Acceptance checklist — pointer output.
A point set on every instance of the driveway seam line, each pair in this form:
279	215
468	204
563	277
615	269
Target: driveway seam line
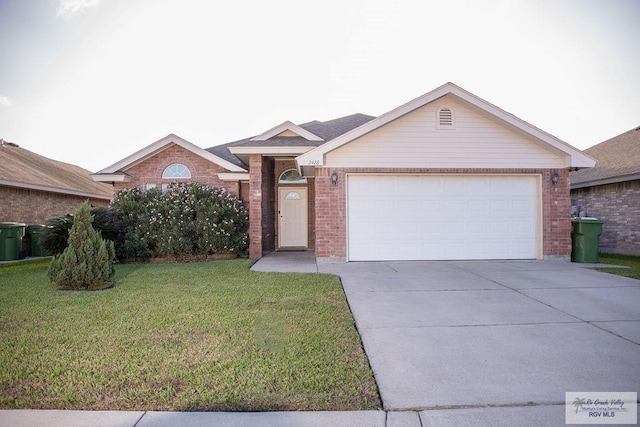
140	419
527	296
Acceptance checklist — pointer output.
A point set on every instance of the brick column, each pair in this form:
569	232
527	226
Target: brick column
556	221
255	206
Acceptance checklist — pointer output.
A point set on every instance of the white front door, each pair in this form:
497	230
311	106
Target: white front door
292	217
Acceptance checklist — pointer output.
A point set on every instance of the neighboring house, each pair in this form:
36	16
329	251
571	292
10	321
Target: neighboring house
34	188
445	176
611	191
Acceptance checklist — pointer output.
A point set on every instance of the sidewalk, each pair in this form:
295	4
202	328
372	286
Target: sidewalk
50	418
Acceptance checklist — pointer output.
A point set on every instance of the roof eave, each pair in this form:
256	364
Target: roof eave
605	181
56	190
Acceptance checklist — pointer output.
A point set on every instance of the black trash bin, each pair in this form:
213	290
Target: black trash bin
11	234
34	232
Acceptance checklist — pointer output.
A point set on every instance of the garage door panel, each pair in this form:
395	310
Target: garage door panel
407	217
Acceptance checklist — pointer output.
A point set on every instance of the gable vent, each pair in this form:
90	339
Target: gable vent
445	118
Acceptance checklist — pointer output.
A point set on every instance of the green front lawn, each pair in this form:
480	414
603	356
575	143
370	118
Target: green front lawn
209	336
633	262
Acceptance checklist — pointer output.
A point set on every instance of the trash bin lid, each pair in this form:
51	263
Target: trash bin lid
11	224
590	220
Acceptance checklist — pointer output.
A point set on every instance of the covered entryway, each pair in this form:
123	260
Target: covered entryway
292	218
443	217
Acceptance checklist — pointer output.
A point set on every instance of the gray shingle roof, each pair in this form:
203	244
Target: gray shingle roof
617	160
328	130
23	167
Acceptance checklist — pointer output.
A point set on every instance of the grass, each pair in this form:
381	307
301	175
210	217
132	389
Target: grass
633	262
209	336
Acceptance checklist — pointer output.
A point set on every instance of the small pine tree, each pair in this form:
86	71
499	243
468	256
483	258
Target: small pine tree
87	262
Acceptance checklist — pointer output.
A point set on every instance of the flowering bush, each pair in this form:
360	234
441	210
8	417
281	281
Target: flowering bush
189	219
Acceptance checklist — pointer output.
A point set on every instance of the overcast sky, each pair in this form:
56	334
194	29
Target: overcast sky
91	81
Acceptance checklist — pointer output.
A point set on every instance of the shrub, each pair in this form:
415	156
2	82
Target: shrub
87	262
189	219
54	239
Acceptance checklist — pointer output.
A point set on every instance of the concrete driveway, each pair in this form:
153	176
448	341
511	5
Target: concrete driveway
493	341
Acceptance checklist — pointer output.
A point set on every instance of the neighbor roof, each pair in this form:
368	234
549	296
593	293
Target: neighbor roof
25	169
617	160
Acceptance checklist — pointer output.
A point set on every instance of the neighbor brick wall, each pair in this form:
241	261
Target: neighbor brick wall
150	170
36	207
619	206
331	233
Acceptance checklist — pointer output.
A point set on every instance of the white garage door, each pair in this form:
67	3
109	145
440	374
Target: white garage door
443	217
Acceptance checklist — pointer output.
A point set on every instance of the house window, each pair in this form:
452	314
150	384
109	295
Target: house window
150	185
445	118
176	170
165	186
291	176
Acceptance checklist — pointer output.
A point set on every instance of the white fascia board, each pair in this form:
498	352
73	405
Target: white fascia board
149	150
291	151
111	177
53	190
288	125
228	176
316	157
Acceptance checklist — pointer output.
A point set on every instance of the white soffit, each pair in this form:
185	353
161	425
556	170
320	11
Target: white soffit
111	177
228	176
287	126
316	157
161	144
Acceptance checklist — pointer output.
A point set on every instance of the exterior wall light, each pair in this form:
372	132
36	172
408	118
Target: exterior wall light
554	179
334	178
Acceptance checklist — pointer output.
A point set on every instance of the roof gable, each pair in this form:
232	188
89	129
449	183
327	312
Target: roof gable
575	158
161	144
474	140
238	151
287	129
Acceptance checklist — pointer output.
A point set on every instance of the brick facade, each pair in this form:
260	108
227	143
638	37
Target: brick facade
36	207
619	206
331	218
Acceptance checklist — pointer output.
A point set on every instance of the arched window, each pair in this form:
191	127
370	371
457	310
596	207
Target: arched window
176	170
291	176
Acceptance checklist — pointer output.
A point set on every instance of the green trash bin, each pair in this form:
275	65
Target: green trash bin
11	234
34	232
585	239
